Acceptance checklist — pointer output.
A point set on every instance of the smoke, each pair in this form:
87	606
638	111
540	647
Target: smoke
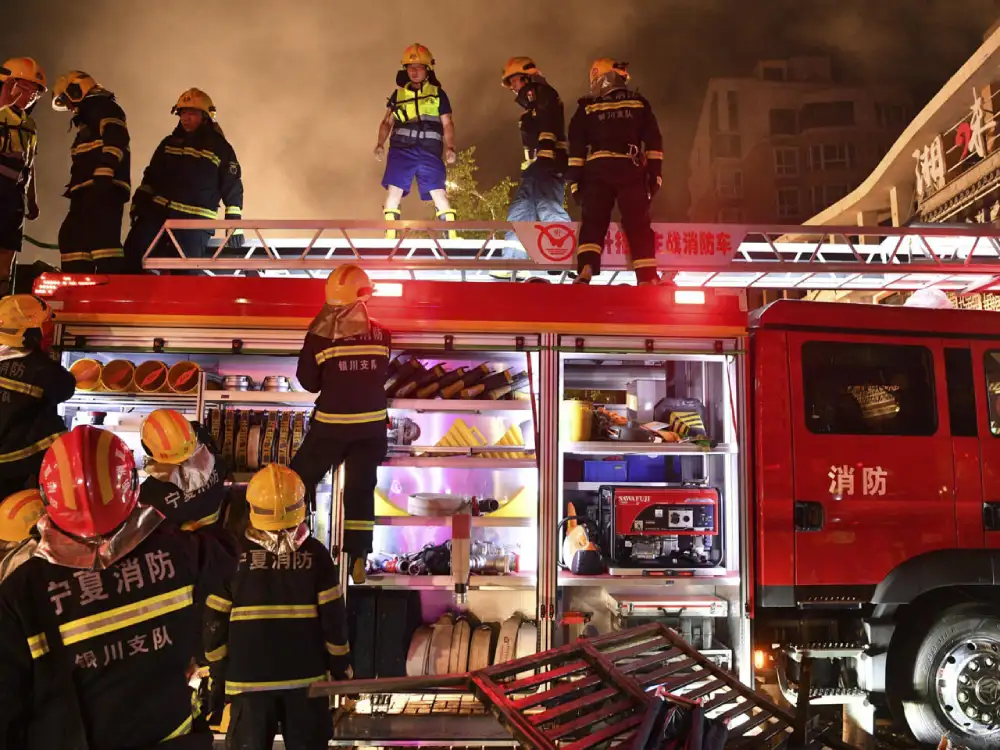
301	85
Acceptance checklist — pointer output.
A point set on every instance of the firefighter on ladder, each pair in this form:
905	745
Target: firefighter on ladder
192	171
32	386
418	124
615	155
101	617
541	193
280	624
22	82
90	237
18	536
344	358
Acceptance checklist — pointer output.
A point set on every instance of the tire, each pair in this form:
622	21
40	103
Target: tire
956	665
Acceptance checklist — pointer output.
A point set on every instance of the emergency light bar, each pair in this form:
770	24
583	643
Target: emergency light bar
47	284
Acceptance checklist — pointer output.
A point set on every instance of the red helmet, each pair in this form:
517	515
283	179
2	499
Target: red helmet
88	480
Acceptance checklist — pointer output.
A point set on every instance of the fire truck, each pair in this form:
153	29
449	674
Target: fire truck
804	482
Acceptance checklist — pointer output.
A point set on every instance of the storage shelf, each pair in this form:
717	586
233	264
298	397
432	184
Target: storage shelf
480	521
260	397
304	398
615	448
594	486
461	462
622	582
100	400
509	582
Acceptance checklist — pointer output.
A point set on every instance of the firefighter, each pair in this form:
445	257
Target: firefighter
186	473
90	237
280	624
615	155
22	82
419	127
344	358
32	386
192	171
541	193
18	537
101	617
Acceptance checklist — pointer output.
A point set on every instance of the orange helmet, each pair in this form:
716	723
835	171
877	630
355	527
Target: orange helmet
19	513
348	284
20	314
602	66
418	54
515	66
168	437
71	89
24	69
276	496
88	481
194	99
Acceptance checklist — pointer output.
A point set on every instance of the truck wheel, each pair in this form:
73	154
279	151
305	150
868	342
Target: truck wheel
956	679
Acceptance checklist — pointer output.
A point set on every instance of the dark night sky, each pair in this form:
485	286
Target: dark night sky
301	84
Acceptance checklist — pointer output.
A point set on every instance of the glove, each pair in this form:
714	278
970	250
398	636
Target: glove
577	192
237	242
653	184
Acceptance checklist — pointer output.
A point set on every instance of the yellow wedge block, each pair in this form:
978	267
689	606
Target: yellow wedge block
523	504
383	506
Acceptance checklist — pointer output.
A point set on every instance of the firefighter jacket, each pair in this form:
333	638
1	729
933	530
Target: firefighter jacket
189	494
32	385
619	125
417	117
190	174
18	147
101	148
104	652
543	132
349	374
16	555
280	623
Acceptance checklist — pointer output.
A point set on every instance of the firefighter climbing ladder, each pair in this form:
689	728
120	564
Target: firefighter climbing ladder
960	259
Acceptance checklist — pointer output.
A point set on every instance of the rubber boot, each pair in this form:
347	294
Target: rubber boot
391	214
448	215
585	275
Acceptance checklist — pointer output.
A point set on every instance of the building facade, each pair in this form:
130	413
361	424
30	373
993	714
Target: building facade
782	145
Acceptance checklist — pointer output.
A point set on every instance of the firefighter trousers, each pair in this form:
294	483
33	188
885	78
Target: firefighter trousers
255	718
90	238
144	230
601	188
326	447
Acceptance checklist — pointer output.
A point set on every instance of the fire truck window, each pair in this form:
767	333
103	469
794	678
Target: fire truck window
992	363
868	389
961	392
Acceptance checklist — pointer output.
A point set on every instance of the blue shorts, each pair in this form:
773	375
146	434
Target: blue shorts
403	164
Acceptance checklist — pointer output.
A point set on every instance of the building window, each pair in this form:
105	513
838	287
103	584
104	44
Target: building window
868	389
827	115
729	183
730	215
788	202
786	161
713	113
784	122
824	196
725	146
733	111
890	115
831	156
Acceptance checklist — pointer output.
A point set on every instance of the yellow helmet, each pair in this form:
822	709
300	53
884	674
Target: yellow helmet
25	69
276	496
70	89
169	437
195	99
602	66
19	513
418	54
18	314
348	284
515	66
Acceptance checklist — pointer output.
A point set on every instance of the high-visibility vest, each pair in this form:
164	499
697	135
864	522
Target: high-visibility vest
417	117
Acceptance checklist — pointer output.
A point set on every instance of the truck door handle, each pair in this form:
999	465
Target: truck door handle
809	516
991	516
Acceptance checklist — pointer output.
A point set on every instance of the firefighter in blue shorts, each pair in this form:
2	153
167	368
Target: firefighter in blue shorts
421	137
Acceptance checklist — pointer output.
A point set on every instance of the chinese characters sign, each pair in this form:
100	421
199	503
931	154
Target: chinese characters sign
872	481
678	246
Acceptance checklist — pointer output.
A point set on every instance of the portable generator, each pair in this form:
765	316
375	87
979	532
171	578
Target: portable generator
662	527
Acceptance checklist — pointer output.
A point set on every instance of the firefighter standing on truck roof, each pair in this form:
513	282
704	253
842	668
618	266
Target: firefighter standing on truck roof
32	385
185	476
344	358
541	193
419	120
22	82
280	624
18	536
615	155
192	171
90	237
97	629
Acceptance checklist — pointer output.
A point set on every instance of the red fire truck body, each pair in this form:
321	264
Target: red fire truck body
873	463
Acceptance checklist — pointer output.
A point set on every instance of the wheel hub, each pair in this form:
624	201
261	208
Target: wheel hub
968	685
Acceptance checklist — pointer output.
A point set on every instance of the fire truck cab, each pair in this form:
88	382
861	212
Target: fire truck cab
877	485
